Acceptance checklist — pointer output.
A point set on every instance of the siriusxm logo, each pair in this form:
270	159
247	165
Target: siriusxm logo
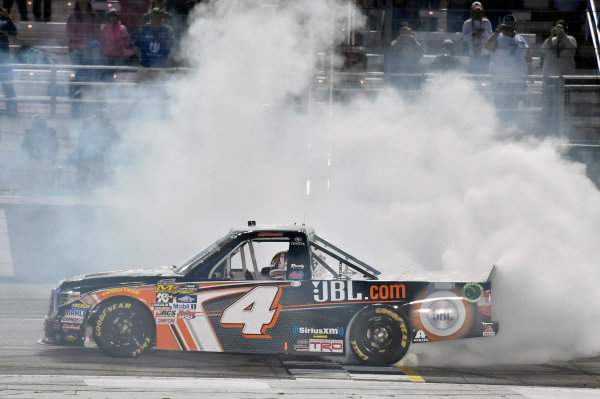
319	331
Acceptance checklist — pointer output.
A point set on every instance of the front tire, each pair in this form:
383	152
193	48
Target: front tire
123	327
379	336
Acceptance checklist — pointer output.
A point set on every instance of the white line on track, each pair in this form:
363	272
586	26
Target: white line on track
175	382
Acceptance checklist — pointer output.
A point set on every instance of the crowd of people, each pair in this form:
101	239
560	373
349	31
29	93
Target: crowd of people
501	52
492	47
91	158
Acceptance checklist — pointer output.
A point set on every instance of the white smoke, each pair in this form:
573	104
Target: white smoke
420	182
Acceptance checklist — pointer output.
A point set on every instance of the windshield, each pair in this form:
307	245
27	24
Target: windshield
202	255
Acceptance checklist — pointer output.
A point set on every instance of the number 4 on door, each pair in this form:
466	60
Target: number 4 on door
255	312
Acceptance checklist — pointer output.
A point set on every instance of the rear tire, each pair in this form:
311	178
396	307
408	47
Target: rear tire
379	336
123	327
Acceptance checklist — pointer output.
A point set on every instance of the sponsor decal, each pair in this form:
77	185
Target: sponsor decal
270	235
298	267
72	319
335	291
184	306
164	297
295	283
301	345
297	241
186	298
187	289
165	313
326	345
472	292
387	292
420	337
442	313
74	295
160	305
80	305
105	312
489	330
120	291
296	275
186	314
75	313
484	304
71	327
166	320
319	331
165	288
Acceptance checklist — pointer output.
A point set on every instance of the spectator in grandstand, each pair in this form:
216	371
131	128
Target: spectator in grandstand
475	32
21	5
41	147
132	12
167	18
559	59
403	57
93	56
115	40
457	13
7	28
42	10
510	65
446	61
97	139
82	28
153	43
40	141
559	51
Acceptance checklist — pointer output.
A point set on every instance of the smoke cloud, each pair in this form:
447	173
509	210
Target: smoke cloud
426	182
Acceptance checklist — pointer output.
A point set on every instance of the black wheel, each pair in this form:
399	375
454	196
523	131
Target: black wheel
379	335
123	327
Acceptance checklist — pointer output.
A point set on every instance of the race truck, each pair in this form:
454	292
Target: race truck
268	290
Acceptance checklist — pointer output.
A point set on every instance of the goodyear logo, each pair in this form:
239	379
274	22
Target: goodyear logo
120	291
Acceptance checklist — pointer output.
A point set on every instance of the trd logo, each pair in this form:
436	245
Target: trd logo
325	345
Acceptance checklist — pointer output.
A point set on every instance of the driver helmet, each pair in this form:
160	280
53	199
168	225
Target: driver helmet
278	265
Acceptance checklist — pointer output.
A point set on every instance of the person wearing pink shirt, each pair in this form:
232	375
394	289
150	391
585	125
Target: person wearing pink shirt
115	40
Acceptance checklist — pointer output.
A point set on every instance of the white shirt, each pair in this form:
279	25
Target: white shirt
559	56
477	41
508	61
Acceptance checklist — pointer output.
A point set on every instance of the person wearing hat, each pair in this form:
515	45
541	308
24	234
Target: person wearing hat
475	32
403	57
446	61
154	42
115	40
510	65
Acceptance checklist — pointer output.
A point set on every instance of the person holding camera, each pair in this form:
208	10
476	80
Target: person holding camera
475	32
510	65
559	51
7	28
559	59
